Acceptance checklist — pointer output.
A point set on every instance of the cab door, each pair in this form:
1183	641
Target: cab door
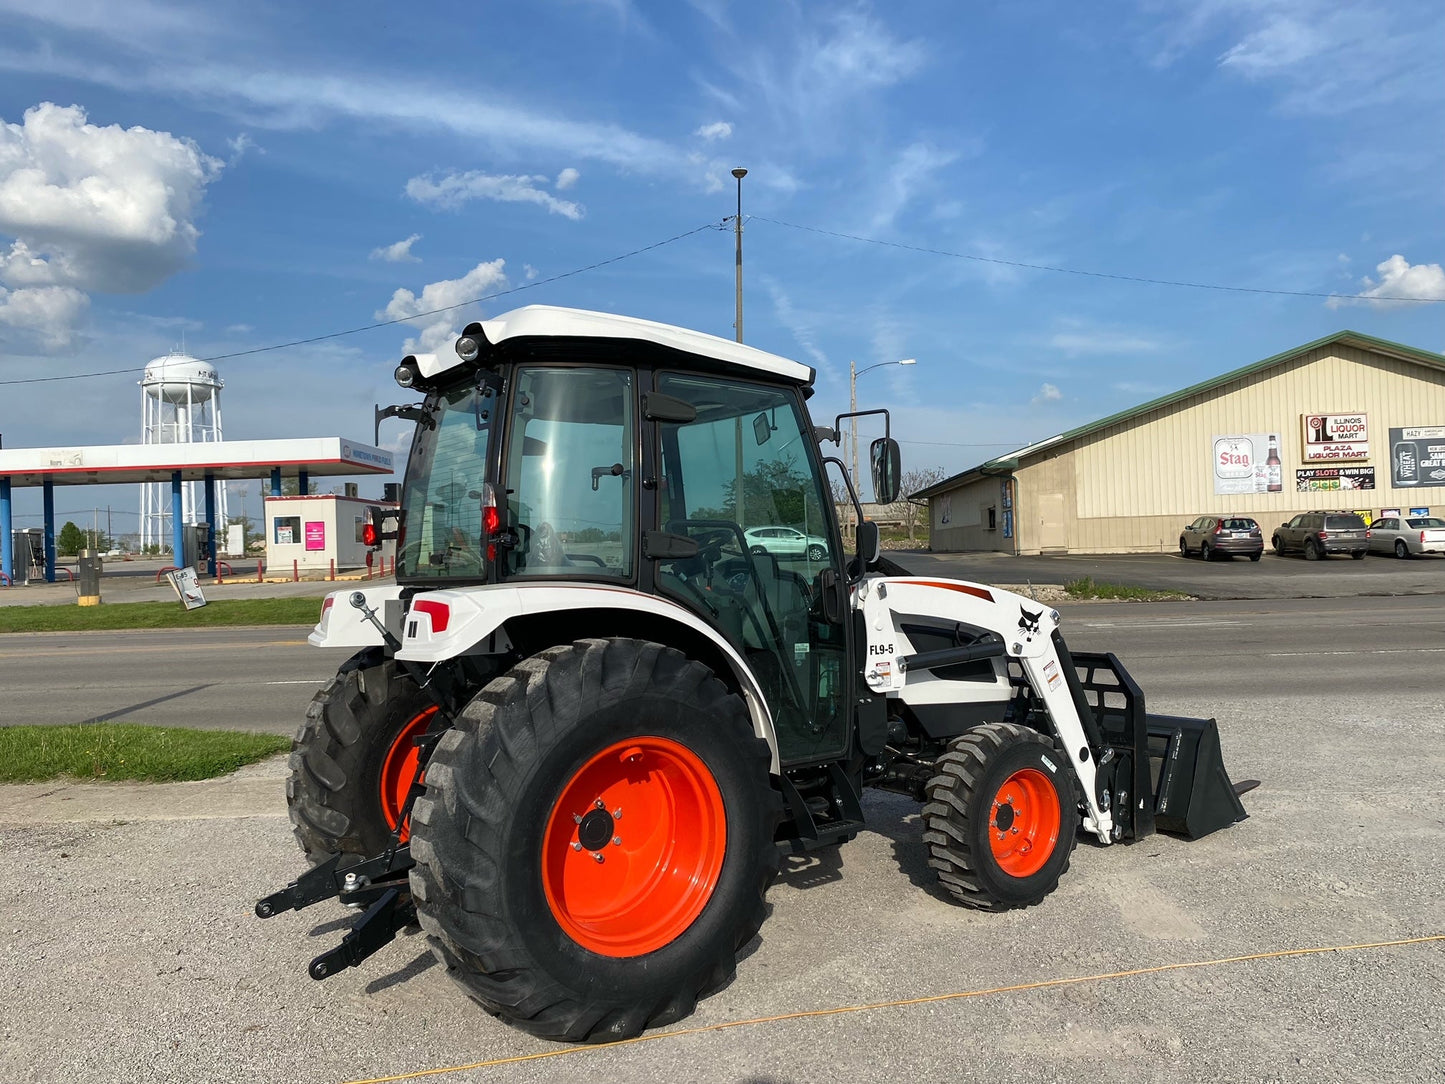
748	461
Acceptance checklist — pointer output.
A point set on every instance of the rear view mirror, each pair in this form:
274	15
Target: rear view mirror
883	457
762	431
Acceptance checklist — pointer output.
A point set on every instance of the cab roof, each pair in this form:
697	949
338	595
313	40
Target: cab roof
552	322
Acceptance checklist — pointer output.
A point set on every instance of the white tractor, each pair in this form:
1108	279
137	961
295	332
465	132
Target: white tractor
595	708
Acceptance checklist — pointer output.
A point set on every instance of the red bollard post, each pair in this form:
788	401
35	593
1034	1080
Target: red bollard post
369	556
331	575
258	573
295	570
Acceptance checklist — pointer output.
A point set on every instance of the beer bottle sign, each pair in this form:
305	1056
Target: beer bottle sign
1273	469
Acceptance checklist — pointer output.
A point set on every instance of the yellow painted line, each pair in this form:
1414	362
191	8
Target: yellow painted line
902	1003
60	654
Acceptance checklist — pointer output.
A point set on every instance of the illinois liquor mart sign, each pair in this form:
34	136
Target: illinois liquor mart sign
1331	438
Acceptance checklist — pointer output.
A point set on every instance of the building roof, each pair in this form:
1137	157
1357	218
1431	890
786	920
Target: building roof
1006	463
552	322
231	459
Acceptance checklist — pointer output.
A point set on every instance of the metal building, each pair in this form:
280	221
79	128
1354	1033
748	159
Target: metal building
1346	422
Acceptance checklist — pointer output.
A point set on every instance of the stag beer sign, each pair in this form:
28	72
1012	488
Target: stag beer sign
1330	438
1246	463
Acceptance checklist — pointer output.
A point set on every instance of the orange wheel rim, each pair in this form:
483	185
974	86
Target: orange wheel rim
399	769
1023	823
634	847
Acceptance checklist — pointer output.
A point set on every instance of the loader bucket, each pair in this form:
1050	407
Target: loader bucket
1175	760
1193	795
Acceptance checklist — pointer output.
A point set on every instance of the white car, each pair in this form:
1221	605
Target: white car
786	542
1407	536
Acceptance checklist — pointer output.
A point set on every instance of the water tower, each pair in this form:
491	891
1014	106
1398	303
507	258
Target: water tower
180	404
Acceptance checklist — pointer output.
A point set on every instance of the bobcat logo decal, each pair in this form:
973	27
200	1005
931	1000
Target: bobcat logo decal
1029	622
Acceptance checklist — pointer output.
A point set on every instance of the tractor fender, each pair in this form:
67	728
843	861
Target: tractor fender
343	625
450	623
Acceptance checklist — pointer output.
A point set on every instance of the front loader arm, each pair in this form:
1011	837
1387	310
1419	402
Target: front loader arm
1005	625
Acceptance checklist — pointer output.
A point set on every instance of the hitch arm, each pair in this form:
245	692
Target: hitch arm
374	930
326	881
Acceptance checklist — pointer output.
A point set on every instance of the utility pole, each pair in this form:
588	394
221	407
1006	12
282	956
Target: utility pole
739	482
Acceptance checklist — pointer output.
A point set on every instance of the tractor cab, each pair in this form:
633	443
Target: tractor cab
627	465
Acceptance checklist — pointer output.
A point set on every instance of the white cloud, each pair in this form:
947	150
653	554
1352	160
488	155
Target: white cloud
241	145
1048	393
92	208
397	252
438	328
912	173
567	178
43	317
455	189
1079	339
717	130
1398	279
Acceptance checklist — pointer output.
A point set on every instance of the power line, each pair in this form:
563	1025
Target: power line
1094	274
388	323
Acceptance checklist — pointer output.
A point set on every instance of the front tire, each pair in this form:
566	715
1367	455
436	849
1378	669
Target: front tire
595	841
1183	548
1000	821
354	757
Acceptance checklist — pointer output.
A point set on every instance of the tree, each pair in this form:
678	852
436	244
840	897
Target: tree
70	540
912	482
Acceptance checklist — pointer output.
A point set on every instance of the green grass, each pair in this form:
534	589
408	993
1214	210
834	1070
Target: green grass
160	615
125	751
1087	588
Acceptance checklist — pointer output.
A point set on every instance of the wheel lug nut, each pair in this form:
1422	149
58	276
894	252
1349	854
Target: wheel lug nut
576	846
617	841
600	804
599	858
617	814
576	818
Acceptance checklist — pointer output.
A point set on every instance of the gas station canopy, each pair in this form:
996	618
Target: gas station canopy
105	464
202	461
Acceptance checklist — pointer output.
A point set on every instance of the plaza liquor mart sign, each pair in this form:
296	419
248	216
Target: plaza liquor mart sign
1332	438
1247	463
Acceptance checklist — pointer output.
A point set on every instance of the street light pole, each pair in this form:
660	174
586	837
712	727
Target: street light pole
853	374
739	173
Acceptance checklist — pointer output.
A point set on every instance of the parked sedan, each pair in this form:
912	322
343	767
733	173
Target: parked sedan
1319	534
1222	536
1408	537
786	542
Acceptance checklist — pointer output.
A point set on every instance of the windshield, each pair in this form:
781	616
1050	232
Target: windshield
441	533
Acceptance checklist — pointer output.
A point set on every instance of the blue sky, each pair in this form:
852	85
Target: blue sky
236	176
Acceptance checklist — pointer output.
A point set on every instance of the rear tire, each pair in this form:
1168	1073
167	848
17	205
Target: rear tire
1312	550
1357	555
353	758
508	884
817	554
1256	556
1401	550
996	780
1206	553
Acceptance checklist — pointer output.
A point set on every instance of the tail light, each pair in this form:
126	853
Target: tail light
1218	526
326	604
439	612
368	535
491	519
1323	536
1254	533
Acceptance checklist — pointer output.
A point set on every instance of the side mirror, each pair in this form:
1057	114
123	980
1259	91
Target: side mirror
868	547
883	457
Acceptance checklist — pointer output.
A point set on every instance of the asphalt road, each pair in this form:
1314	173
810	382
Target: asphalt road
130	952
242	679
